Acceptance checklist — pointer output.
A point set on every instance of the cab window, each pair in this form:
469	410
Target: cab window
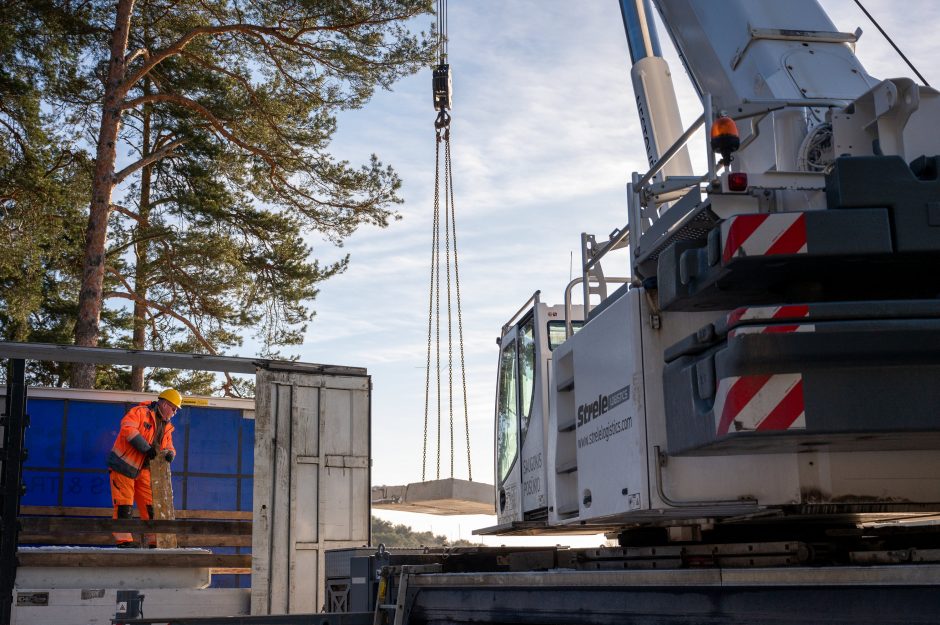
507	431
526	374
556	332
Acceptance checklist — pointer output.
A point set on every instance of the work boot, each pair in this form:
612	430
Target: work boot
124	539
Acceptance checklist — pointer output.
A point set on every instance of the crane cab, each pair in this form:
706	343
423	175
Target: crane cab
522	409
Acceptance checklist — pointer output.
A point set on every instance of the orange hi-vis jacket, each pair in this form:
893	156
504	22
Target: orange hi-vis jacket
138	429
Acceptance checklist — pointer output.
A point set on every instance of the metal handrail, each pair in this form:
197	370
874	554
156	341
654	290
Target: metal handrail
611	244
571	285
508	324
639	184
671	152
660	462
568	305
765	107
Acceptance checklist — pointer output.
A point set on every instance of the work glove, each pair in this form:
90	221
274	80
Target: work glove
151	453
169	455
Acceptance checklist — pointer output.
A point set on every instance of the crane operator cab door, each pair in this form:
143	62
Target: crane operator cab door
522	392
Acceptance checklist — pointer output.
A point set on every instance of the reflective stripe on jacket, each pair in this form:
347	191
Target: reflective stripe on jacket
140	421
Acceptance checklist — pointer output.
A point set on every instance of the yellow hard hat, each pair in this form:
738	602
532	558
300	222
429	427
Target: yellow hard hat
173	396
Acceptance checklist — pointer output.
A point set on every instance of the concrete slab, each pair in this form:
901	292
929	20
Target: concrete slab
442	497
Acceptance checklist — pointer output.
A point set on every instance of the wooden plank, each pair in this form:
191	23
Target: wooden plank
234	515
67	525
140	558
230	571
79	539
161	484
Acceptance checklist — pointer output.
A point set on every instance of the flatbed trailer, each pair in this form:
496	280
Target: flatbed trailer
616	585
879	595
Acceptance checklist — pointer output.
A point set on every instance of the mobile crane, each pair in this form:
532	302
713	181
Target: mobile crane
774	355
754	414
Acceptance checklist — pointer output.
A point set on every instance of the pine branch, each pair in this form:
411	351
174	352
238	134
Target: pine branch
153	157
148	304
136	53
252	94
160	234
128	213
280	33
209	116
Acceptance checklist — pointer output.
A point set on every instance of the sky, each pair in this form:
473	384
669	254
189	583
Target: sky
544	138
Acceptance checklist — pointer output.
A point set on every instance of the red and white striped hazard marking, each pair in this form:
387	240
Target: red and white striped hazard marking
760	403
763	235
775	329
766	313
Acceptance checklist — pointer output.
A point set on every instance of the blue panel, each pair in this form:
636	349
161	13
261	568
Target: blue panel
225	581
213	440
248	446
177	481
90	433
246	485
211	493
228	581
86	489
180	423
42	488
44	434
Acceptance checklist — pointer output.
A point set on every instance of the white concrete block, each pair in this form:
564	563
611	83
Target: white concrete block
443	497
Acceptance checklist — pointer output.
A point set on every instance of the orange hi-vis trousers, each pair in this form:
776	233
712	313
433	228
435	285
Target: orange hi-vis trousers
127	491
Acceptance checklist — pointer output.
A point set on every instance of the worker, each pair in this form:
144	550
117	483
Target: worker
145	432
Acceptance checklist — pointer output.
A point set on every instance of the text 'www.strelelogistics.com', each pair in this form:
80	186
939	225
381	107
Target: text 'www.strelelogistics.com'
605	432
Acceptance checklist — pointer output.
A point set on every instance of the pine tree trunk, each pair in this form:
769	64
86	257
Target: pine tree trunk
141	250
90	295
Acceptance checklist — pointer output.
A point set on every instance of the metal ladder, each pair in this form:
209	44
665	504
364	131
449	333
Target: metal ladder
397	609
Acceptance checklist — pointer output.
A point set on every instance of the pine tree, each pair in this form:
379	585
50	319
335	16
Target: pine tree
400	536
244	96
43	181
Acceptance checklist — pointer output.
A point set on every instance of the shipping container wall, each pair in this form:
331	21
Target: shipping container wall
71	433
312	446
69	440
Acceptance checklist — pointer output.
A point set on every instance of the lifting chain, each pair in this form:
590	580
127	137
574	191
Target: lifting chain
442	97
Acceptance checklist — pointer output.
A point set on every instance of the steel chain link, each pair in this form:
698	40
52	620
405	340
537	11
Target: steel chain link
442	126
448	184
463	371
434	248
